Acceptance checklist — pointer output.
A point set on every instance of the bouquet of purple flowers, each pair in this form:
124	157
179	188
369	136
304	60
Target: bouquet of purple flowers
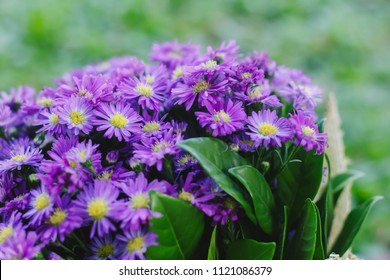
196	155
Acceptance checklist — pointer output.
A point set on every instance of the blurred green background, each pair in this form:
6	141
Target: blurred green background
342	45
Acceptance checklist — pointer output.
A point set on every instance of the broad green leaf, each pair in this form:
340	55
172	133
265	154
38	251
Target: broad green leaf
179	229
303	244
340	180
352	225
249	249
216	159
213	248
319	251
260	192
299	181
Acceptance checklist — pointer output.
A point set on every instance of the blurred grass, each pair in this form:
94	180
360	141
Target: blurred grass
343	45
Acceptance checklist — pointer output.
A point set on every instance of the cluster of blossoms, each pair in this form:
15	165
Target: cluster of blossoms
78	160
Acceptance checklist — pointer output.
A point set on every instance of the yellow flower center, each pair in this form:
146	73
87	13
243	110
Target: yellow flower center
255	92
18	158
307	130
53	119
186	196
184	159
144	90
72	164
118	120
97	209
221	116
266	129
149	79
4	233
41	201
57	217
178	72
210	64
84	93
106	175
201	86
81	154
76	117
105	251
140	201
246	75
135	244
45	101
248	142
151	126
158	146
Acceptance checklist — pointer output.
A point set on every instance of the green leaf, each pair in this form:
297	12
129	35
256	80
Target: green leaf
341	180
216	159
303	244
179	229
299	181
249	249
352	225
213	248
319	252
260	192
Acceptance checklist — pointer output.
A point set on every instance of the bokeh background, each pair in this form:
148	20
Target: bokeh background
342	45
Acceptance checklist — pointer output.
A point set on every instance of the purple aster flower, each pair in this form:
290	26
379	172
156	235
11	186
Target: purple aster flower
149	95
77	114
97	204
244	143
40	207
179	127
225	211
222	119
283	76
117	119
153	150
135	210
60	222
19	203
198	194
104	248
92	88
225	52
205	88
112	156
259	93
50	123
10	227
83	153
173	53
153	125
267	129
17	156
184	161
20	246
134	244
306	133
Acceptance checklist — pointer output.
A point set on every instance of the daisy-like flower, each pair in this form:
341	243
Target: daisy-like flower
19	156
222	119
77	114
198	194
259	93
136	209
267	129
97	204
20	246
41	206
307	134
153	125
119	120
92	88
82	153
153	150
50	122
104	248
60	222
206	89
134	244
12	225
149	95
